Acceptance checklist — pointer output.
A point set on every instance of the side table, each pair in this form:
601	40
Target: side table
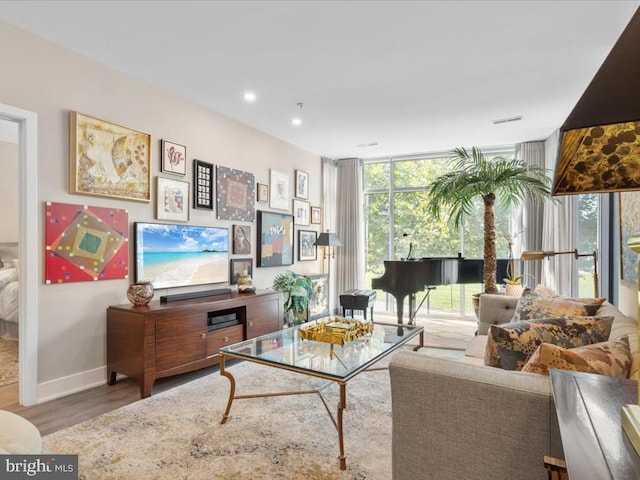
588	408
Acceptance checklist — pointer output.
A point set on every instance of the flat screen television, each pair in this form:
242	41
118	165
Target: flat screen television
170	255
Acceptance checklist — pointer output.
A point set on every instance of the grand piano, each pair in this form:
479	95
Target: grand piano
402	278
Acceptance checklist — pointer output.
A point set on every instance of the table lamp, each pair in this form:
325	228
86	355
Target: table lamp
600	146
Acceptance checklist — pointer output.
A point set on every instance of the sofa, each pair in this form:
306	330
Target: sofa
463	419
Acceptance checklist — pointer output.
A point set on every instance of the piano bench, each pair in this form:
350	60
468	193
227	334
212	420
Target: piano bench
360	300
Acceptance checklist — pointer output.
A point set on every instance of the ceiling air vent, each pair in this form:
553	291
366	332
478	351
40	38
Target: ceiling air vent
508	120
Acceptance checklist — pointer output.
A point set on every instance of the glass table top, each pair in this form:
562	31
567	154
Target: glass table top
285	349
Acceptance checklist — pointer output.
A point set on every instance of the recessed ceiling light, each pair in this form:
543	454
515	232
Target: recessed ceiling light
296	121
369	144
249	97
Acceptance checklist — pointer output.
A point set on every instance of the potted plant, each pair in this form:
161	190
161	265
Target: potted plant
297	289
513	284
473	176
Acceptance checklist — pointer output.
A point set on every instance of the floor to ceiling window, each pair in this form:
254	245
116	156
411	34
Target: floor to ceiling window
398	225
587	241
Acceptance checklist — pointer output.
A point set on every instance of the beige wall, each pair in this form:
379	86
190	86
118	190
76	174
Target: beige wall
52	81
8	192
628	300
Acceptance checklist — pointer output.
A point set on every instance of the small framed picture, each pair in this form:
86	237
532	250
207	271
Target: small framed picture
302	184
238	266
174	158
316	215
242	239
301	212
202	185
279	195
172	202
263	192
306	245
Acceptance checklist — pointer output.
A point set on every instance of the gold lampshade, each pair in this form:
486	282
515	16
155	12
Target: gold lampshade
604	158
600	139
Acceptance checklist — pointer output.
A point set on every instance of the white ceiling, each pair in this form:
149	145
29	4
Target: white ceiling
413	76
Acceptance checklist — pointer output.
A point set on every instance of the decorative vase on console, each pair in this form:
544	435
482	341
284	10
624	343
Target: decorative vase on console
245	284
140	293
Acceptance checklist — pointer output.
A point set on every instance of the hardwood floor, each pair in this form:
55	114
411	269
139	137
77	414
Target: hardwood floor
9	394
64	412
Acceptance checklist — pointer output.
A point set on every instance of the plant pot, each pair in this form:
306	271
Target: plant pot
514	290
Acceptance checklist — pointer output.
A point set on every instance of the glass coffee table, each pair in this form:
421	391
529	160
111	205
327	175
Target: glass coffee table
285	349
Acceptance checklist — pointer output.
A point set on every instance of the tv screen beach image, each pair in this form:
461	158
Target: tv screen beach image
181	255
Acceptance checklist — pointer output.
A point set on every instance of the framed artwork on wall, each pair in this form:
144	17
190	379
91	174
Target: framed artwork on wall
238	265
172	200
629	203
301	212
302	184
316	215
109	160
279	195
235	194
319	298
174	158
202	185
275	239
306	245
85	243
263	192
242	239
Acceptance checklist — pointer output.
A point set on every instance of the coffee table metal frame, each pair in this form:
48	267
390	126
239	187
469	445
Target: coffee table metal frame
341	380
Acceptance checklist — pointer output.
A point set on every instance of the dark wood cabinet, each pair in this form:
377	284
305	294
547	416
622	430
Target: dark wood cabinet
162	339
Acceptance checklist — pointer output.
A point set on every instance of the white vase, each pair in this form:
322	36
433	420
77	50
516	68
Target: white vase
514	290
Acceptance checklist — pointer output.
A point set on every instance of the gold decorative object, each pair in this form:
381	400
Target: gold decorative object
336	331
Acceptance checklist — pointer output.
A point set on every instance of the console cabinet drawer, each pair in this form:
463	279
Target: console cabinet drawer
224	337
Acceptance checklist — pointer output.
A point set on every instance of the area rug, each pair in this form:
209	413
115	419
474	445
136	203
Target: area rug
177	434
8	362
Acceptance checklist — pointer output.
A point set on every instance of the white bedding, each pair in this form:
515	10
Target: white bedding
9	290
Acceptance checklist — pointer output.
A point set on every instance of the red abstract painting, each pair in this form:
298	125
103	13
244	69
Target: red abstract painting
84	243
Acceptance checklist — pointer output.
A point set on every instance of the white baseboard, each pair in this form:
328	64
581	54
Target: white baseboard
63	386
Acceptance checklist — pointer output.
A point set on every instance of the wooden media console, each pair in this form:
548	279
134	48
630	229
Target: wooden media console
163	339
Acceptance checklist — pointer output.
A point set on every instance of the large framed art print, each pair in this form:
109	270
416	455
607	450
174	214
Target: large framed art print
275	239
109	160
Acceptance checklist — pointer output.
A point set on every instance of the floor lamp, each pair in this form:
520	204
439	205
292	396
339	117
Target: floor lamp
540	254
329	241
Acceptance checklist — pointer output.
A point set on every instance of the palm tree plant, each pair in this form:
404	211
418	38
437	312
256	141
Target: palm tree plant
473	176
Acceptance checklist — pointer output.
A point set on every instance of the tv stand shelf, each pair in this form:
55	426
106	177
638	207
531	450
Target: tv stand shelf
163	339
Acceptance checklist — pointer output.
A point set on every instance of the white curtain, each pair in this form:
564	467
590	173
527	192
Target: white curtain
547	225
530	225
329	198
558	231
349	271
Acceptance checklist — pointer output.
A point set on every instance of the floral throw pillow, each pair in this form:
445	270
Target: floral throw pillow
532	305
606	358
510	346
